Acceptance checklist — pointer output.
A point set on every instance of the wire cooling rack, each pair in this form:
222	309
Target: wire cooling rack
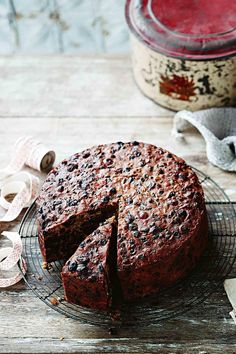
213	268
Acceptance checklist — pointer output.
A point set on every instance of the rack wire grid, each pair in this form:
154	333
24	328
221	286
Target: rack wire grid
212	269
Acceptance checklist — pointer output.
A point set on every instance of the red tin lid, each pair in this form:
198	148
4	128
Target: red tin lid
191	29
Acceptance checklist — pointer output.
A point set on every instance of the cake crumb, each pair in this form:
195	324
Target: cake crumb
54	301
62	338
112	331
40	277
45	265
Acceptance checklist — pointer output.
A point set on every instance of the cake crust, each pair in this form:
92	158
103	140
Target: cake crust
161	222
86	275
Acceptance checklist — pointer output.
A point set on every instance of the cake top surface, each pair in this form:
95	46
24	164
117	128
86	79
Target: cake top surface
157	196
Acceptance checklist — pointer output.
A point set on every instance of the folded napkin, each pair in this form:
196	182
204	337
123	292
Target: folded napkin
218	128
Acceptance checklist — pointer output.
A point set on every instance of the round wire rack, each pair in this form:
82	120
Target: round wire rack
212	269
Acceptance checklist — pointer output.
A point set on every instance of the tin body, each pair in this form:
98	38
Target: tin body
182	70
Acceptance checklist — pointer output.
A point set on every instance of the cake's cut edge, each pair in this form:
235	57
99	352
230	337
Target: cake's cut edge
59	243
88	275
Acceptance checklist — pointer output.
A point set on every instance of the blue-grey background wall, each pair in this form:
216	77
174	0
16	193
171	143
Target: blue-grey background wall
62	26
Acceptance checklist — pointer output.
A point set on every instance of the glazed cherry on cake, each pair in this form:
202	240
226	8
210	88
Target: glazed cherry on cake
159	218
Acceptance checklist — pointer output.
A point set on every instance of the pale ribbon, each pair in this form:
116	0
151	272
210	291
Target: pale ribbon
25	187
31	152
9	257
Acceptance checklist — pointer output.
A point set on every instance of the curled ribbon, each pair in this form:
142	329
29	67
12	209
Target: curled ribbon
9	257
25	187
30	152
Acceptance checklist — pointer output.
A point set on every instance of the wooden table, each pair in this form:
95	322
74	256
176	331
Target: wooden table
70	103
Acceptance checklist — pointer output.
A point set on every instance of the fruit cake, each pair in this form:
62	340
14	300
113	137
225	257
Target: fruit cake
158	200
87	275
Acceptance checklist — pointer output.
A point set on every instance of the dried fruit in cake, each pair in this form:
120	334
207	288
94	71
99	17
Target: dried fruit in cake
159	202
87	275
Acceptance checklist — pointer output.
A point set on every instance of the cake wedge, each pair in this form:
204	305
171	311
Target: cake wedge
87	275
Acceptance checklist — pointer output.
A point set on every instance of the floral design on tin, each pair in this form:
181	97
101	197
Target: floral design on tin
179	87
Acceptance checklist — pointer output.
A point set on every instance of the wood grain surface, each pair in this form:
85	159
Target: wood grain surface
71	103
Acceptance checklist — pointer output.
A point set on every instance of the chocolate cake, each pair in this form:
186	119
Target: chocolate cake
159	203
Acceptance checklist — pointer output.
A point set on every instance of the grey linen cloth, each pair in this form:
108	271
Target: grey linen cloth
218	128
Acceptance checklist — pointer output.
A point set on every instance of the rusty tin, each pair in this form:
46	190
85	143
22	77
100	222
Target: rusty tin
184	52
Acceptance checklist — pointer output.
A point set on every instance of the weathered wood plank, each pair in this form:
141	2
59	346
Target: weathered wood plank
119	345
62	86
31	318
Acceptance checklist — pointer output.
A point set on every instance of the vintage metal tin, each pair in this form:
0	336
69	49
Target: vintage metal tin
184	52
